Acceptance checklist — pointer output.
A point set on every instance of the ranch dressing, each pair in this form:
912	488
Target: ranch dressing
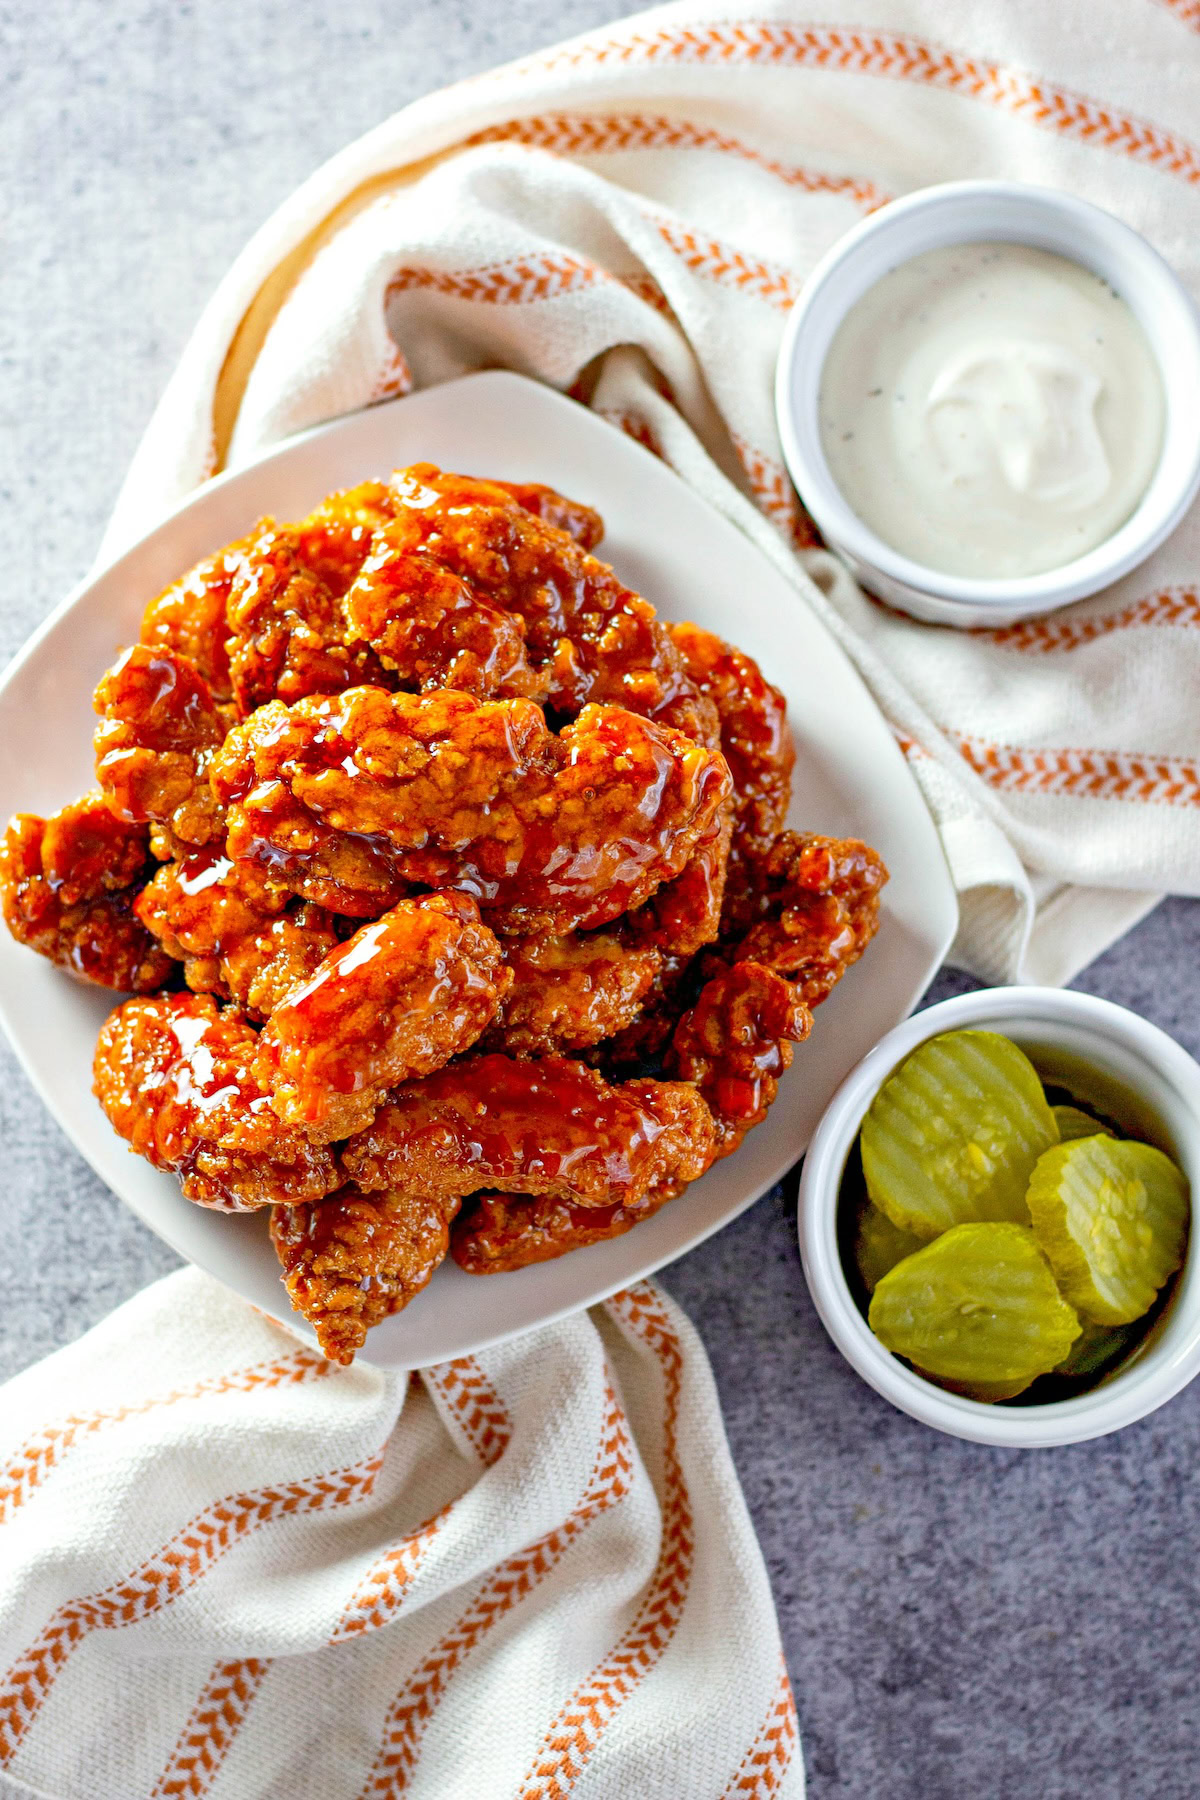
991	410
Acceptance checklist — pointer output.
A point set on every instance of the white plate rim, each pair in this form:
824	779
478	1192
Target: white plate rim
505	390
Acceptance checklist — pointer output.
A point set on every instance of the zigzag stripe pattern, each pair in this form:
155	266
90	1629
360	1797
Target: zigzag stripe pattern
382	1589
644	287
775	495
731	267
766	1762
470	1396
505	1588
43	1452
467	1392
1174	607
1186	11
181	1562
212	1725
571	1739
1086	774
598	136
518	283
861	51
393	379
523	282
633	427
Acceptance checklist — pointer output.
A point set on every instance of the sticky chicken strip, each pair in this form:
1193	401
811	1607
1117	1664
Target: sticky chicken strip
755	739
735	1042
173	1074
159	727
497	1233
395	1001
188	618
335	538
571	991
539	1126
581	522
430	626
590	638
69	886
347	799
732	1045
236	935
352	1259
685	914
806	906
285	631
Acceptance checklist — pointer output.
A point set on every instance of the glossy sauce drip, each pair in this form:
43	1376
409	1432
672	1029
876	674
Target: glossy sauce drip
416	987
590	636
358	796
539	1121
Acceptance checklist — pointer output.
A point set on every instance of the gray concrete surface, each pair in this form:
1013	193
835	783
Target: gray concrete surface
960	1624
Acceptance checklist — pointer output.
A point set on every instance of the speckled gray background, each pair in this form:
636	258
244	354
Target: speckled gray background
960	1624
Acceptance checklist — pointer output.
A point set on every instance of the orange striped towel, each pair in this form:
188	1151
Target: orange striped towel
232	1570
629	216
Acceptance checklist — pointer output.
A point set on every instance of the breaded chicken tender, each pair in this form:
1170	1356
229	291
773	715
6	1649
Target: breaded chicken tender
347	799
173	1074
352	1259
159	727
806	906
571	991
735	1042
585	635
395	1001
755	739
69	886
236	935
546	1125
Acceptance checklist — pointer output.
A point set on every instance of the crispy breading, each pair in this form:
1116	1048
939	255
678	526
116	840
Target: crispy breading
236	935
395	1001
496	1233
586	636
159	727
69	884
755	738
571	991
735	1042
346	799
546	1125
286	633
352	1259
804	905
173	1074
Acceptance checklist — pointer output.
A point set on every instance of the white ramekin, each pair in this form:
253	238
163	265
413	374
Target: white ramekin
1056	1028
962	212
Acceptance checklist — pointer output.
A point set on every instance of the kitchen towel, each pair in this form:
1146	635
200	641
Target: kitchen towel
629	216
230	1569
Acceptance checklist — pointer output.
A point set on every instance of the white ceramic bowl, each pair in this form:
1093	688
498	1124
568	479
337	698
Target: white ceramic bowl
963	212
1103	1053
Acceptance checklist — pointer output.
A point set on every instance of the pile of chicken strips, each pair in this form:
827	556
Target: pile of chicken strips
450	886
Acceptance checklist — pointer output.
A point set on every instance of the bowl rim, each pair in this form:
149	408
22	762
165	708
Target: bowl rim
1059	216
1129	1395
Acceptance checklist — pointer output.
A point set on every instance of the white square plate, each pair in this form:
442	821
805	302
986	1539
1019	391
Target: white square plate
850	780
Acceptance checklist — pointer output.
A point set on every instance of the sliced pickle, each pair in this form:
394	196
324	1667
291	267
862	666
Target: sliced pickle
979	1305
1073	1122
879	1245
953	1135
1096	1348
987	1391
1113	1218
